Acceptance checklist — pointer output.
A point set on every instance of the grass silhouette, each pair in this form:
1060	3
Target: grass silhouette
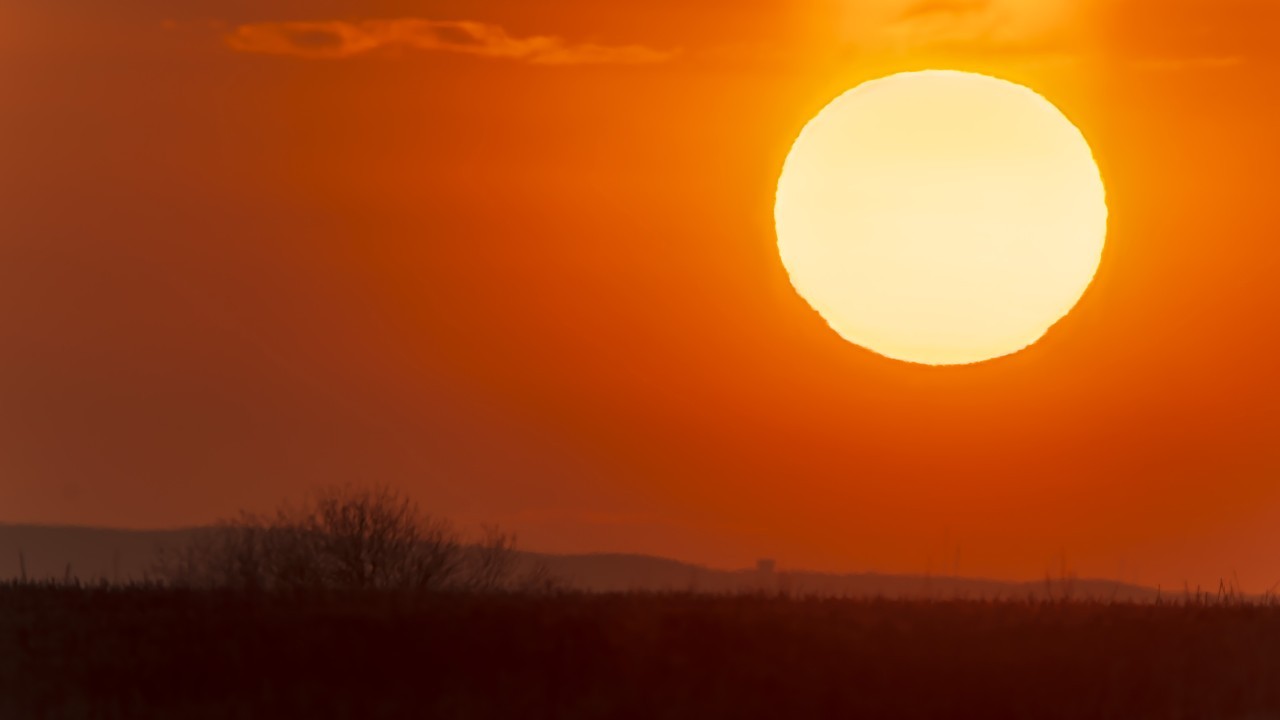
69	651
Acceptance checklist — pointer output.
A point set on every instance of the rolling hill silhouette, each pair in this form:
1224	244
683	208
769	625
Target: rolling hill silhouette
95	554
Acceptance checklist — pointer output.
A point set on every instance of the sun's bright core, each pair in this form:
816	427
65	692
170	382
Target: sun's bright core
941	217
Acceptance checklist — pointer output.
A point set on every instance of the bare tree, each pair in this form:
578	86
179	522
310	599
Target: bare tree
374	538
229	554
491	564
349	539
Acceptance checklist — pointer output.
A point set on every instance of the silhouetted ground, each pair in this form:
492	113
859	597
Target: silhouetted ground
143	653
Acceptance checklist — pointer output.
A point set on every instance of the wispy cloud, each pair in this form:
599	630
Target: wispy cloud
1193	63
334	39
1025	28
1151	35
926	8
1021	25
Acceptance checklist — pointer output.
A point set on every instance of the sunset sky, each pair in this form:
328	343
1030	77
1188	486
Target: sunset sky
518	259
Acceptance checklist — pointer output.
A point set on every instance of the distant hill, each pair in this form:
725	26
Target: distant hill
620	573
121	555
84	553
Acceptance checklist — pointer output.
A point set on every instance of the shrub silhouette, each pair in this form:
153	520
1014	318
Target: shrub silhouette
349	539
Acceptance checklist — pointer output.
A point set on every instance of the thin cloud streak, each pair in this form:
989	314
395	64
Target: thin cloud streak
1200	63
1145	34
335	40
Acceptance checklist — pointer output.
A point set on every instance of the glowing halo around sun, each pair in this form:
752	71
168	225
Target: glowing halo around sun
941	217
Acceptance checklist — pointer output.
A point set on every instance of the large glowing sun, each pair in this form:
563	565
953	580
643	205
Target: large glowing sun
941	217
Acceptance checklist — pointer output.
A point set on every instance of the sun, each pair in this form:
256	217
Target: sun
941	217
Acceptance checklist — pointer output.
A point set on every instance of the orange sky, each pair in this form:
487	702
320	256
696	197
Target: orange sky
518	259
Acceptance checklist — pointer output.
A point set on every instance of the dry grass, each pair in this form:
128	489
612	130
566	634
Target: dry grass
140	652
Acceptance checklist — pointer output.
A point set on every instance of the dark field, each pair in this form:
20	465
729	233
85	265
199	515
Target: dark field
70	652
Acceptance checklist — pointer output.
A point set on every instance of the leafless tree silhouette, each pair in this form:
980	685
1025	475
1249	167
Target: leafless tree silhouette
354	539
